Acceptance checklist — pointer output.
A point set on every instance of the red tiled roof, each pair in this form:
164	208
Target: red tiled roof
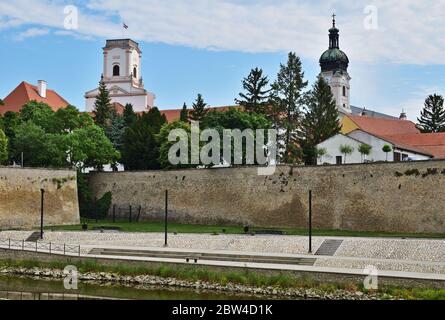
432	143
384	127
175	114
25	93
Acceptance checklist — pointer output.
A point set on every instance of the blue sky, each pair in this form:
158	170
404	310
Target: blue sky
397	50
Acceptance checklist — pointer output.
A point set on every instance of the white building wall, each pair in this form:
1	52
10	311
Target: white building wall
332	147
376	143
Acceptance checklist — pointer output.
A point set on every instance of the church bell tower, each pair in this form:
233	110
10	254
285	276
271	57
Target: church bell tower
334	69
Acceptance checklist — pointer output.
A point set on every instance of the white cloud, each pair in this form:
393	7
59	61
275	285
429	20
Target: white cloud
409	32
32	32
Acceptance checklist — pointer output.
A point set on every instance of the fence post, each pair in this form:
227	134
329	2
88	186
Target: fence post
50	247
130	215
114	213
79	250
36	247
23	245
64	250
9	243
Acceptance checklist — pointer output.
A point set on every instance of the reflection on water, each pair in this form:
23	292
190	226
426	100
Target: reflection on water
21	288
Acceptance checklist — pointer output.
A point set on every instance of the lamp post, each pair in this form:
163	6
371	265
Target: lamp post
310	221
166	219
42	195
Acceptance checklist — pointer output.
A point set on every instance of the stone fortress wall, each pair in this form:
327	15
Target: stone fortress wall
20	197
386	197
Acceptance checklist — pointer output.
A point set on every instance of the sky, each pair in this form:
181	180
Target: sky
396	48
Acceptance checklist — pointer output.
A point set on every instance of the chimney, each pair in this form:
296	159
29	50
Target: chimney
41	86
403	116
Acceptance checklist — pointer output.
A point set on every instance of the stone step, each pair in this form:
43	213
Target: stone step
204	256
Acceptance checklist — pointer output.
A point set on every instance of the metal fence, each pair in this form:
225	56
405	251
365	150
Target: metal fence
128	213
38	246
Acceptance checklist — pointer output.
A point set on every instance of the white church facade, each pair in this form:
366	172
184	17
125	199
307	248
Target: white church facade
123	77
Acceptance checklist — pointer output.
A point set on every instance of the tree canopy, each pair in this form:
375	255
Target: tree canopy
432	118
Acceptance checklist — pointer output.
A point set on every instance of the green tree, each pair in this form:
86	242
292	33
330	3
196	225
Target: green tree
199	109
3	148
165	144
365	150
346	150
432	117
69	118
320	120
255	97
40	114
287	100
184	117
387	149
320	153
103	111
140	150
129	115
89	147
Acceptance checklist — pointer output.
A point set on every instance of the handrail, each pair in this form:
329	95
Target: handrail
40	246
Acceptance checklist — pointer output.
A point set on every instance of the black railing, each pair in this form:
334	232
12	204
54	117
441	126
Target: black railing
46	247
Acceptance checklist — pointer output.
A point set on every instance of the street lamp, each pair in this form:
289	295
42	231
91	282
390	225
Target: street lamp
42	195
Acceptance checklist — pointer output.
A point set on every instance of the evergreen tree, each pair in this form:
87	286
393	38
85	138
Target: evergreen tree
256	94
199	109
320	121
129	115
103	110
432	117
115	131
287	99
184	117
140	150
1	102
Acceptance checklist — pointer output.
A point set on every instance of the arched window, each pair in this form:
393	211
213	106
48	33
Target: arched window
135	72
116	71
344	91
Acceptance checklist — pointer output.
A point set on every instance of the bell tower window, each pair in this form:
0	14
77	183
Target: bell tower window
116	71
135	72
344	91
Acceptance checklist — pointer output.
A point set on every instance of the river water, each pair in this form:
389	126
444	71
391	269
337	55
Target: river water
22	288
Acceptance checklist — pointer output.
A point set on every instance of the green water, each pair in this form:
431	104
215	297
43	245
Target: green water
21	288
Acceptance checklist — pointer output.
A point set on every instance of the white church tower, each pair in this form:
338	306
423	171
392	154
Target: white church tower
334	69
123	77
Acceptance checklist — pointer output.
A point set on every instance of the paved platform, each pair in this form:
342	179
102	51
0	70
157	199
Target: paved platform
407	258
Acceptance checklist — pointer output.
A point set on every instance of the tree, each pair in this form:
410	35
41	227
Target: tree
256	94
3	148
115	131
199	109
320	153
129	115
184	117
103	110
140	150
320	120
346	150
89	147
432	117
287	99
40	114
237	119
165	145
1	102
387	149
365	150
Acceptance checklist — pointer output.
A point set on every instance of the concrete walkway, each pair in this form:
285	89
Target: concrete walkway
410	258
